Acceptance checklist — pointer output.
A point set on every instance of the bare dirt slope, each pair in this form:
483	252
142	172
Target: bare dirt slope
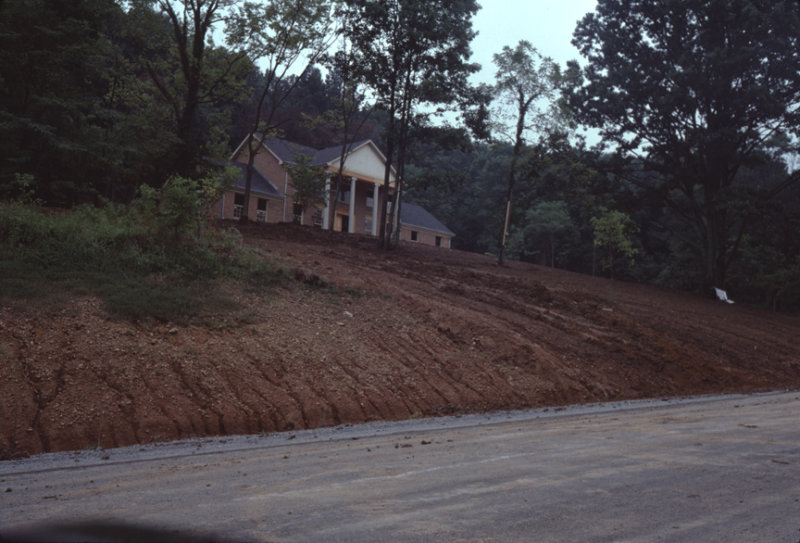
414	332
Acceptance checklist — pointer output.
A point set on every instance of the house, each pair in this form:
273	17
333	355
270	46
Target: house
417	225
272	194
355	209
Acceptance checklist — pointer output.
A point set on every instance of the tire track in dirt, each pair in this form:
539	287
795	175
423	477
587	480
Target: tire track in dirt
393	335
230	395
517	334
261	392
19	409
398	393
360	388
463	341
405	345
273	391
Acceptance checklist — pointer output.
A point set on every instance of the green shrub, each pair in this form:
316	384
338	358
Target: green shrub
159	258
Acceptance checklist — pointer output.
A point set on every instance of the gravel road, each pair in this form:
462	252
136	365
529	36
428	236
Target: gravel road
700	469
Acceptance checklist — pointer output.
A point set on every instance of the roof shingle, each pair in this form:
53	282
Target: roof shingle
258	183
414	215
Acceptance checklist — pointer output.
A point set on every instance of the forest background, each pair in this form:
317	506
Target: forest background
694	185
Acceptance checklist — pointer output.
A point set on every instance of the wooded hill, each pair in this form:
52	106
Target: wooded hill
698	106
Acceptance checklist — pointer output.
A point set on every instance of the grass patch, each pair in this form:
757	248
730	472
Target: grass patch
145	261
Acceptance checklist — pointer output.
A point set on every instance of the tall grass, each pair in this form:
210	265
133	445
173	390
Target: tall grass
156	259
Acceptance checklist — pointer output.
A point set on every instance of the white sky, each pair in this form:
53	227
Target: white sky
547	24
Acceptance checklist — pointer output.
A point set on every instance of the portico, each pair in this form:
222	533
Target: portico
356	207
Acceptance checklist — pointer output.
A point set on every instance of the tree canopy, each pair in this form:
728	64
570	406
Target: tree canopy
526	84
283	35
698	103
410	52
696	89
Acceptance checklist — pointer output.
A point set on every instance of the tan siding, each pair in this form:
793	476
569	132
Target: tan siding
226	205
271	168
425	237
266	163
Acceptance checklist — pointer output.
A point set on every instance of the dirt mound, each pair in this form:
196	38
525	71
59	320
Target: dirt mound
366	335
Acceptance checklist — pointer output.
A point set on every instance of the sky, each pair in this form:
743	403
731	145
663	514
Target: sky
547	24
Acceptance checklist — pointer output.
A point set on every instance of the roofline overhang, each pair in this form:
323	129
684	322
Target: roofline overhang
330	163
261	143
408	225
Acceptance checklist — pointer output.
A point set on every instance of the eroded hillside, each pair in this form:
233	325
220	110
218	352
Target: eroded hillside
365	335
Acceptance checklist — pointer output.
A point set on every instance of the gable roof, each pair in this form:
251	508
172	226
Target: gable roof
331	154
258	183
286	152
417	216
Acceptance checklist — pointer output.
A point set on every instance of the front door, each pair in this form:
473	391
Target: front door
342	223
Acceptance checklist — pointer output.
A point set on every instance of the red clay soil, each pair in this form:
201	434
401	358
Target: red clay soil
414	332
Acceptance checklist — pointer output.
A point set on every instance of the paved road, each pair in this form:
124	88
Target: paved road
711	469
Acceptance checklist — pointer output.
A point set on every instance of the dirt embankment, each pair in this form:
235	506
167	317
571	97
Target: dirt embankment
414	332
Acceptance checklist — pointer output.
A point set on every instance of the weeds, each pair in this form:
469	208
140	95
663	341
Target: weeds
156	259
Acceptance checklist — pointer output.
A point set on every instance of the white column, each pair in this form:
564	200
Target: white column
327	212
376	189
351	224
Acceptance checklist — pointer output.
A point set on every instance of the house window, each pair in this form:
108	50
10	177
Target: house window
370	201
368	225
414	236
297	212
438	241
344	196
261	210
317	217
238	205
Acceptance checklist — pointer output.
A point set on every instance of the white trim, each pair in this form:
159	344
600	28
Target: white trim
351	223
333	164
354	149
261	144
327	212
432	231
375	201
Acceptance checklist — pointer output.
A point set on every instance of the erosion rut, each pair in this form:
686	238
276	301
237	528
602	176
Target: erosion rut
414	332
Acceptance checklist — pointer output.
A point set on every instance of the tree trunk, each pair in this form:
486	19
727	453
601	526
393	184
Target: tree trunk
248	179
522	110
383	239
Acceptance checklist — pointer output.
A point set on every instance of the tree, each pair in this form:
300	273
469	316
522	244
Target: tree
302	118
547	226
92	94
277	34
410	52
308	182
768	271
56	74
524	79
470	181
197	74
350	95
613	231
696	88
